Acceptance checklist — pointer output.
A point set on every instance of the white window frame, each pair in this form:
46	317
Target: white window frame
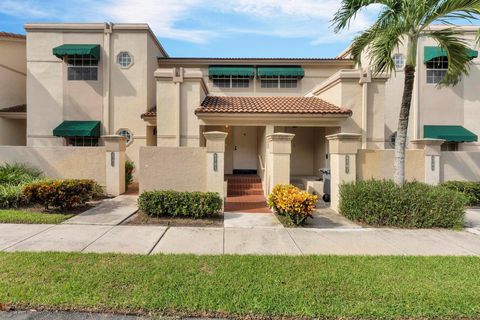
81	63
129	132
437	73
230	80
279	82
119	56
397	57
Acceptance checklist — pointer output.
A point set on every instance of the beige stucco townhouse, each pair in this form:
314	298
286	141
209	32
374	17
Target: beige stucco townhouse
190	121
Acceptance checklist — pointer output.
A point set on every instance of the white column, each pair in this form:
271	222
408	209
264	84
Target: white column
115	164
278	165
215	161
432	148
343	158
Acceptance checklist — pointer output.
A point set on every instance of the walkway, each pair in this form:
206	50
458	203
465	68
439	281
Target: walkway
235	240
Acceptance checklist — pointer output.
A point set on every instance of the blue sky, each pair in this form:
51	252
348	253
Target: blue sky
206	28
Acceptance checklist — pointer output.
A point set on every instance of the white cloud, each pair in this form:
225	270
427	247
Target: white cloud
22	9
162	16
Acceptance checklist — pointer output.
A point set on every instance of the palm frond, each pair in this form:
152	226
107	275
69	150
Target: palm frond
350	8
444	10
457	52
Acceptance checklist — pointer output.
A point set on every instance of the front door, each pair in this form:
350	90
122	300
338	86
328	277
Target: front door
244	150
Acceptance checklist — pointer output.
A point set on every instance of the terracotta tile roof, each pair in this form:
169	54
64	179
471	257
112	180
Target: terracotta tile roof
279	105
19	108
12	35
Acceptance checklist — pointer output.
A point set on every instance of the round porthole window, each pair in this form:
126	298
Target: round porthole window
124	59
127	134
399	60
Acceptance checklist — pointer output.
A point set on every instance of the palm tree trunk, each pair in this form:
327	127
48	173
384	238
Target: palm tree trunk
401	139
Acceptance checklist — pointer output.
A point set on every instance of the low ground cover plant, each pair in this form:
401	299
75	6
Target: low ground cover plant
289	201
63	194
471	189
414	205
180	204
12	179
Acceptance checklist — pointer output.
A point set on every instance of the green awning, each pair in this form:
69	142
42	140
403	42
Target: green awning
449	133
77	50
436	52
290	72
227	71
78	129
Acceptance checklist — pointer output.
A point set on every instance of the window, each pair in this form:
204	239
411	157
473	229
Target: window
127	134
124	59
231	82
399	60
436	69
82	67
449	146
82	141
278	83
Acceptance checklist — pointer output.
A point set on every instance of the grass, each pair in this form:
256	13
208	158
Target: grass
18	216
310	286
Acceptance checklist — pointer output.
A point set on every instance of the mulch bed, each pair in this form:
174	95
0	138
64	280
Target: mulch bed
141	218
75	211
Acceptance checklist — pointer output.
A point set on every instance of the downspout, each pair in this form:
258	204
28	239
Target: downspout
416	101
106	77
178	80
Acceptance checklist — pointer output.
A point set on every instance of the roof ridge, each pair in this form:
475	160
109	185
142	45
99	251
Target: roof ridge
4	34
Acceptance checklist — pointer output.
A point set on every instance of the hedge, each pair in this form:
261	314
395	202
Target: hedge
180	204
471	189
414	205
63	194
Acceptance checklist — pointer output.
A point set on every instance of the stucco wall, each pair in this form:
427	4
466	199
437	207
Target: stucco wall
170	168
378	164
12	72
13	132
460	166
60	162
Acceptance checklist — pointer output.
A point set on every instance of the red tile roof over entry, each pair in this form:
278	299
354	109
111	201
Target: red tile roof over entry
280	105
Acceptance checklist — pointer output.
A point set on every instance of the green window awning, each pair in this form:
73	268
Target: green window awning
436	52
449	133
77	50
78	129
289	72
231	71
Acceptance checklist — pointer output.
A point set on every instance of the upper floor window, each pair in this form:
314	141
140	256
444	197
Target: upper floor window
231	82
124	59
436	69
127	134
399	60
279	83
82	67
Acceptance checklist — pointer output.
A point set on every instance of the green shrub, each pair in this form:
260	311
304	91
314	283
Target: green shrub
129	169
414	205
289	201
471	189
11	196
63	194
15	174
180	204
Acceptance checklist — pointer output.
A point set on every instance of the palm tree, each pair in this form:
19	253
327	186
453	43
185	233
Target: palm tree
404	22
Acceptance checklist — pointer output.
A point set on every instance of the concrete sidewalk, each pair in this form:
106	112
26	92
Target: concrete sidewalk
233	240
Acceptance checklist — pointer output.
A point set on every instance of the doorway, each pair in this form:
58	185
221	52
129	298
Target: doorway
244	150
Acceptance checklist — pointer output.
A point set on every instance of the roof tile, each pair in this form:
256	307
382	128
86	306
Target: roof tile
19	108
279	105
12	35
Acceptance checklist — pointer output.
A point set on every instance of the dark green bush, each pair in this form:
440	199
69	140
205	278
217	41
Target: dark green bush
414	205
180	204
129	169
471	189
63	194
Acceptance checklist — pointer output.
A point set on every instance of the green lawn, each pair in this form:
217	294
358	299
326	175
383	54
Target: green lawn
18	216
322	286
